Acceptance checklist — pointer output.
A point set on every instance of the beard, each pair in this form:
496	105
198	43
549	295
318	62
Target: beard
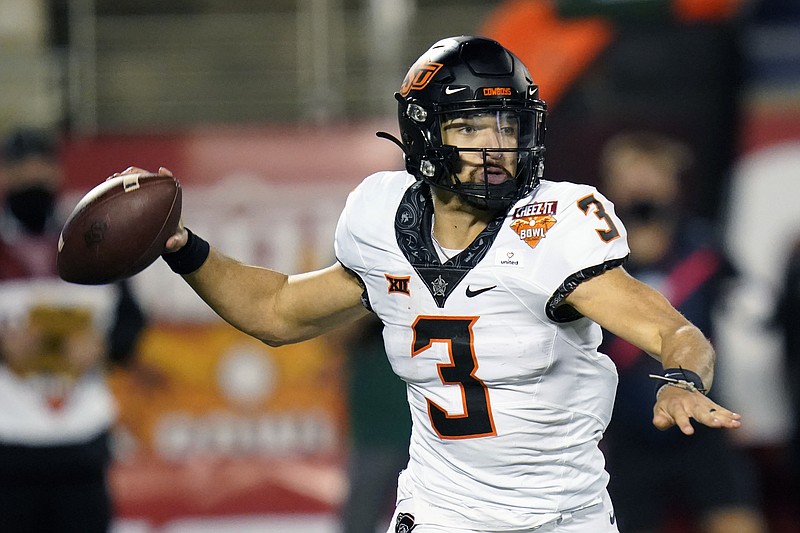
489	189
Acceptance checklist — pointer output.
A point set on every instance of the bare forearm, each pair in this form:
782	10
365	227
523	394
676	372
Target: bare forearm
686	347
635	312
643	317
274	307
242	295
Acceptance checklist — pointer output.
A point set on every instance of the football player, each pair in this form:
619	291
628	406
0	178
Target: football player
492	284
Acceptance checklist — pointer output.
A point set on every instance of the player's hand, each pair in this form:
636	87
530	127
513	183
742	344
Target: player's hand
176	241
162	171
676	407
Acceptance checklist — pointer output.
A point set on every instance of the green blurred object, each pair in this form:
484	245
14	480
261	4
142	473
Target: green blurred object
379	414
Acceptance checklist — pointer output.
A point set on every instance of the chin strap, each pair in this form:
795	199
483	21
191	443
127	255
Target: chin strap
390	137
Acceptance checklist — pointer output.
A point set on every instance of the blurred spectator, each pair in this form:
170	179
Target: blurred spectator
380	427
776	11
657	475
756	375
56	341
787	320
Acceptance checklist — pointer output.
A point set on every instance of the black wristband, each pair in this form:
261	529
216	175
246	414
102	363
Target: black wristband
679	377
190	257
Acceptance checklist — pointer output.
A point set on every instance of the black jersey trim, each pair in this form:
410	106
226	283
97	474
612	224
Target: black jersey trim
364	294
566	313
412	226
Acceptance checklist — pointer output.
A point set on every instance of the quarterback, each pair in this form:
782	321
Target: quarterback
492	284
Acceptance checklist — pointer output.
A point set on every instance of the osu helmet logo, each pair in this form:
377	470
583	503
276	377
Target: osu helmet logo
419	77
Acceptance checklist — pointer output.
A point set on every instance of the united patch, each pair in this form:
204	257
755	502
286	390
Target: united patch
532	222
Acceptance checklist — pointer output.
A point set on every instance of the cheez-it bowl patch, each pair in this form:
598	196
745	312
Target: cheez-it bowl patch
532	222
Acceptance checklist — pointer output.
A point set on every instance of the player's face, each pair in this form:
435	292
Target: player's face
32	171
492	131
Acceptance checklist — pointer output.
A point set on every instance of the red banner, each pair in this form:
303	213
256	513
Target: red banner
214	423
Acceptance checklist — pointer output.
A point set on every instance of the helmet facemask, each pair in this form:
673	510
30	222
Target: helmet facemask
491	156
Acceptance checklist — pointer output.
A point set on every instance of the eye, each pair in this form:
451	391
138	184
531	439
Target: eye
461	128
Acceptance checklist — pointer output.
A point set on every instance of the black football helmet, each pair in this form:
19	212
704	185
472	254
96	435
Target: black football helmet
460	76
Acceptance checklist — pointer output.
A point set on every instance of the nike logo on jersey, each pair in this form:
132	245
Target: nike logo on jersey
473	294
453	90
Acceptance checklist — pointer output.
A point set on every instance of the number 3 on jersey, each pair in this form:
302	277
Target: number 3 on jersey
456	332
606	235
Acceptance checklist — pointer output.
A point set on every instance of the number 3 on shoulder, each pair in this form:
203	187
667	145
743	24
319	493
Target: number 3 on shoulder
611	232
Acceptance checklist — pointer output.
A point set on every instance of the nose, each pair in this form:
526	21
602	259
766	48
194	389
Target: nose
493	156
492	138
493	143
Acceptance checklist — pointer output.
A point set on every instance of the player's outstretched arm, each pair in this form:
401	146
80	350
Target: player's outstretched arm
272	306
637	313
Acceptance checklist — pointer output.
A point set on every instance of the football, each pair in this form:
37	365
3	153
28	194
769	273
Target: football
119	228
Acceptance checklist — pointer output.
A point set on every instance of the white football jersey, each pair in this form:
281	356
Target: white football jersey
508	394
45	404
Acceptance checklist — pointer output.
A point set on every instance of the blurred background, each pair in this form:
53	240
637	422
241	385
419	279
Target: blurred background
266	111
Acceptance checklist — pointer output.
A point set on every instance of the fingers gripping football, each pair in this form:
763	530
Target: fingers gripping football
676	407
120	227
177	240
